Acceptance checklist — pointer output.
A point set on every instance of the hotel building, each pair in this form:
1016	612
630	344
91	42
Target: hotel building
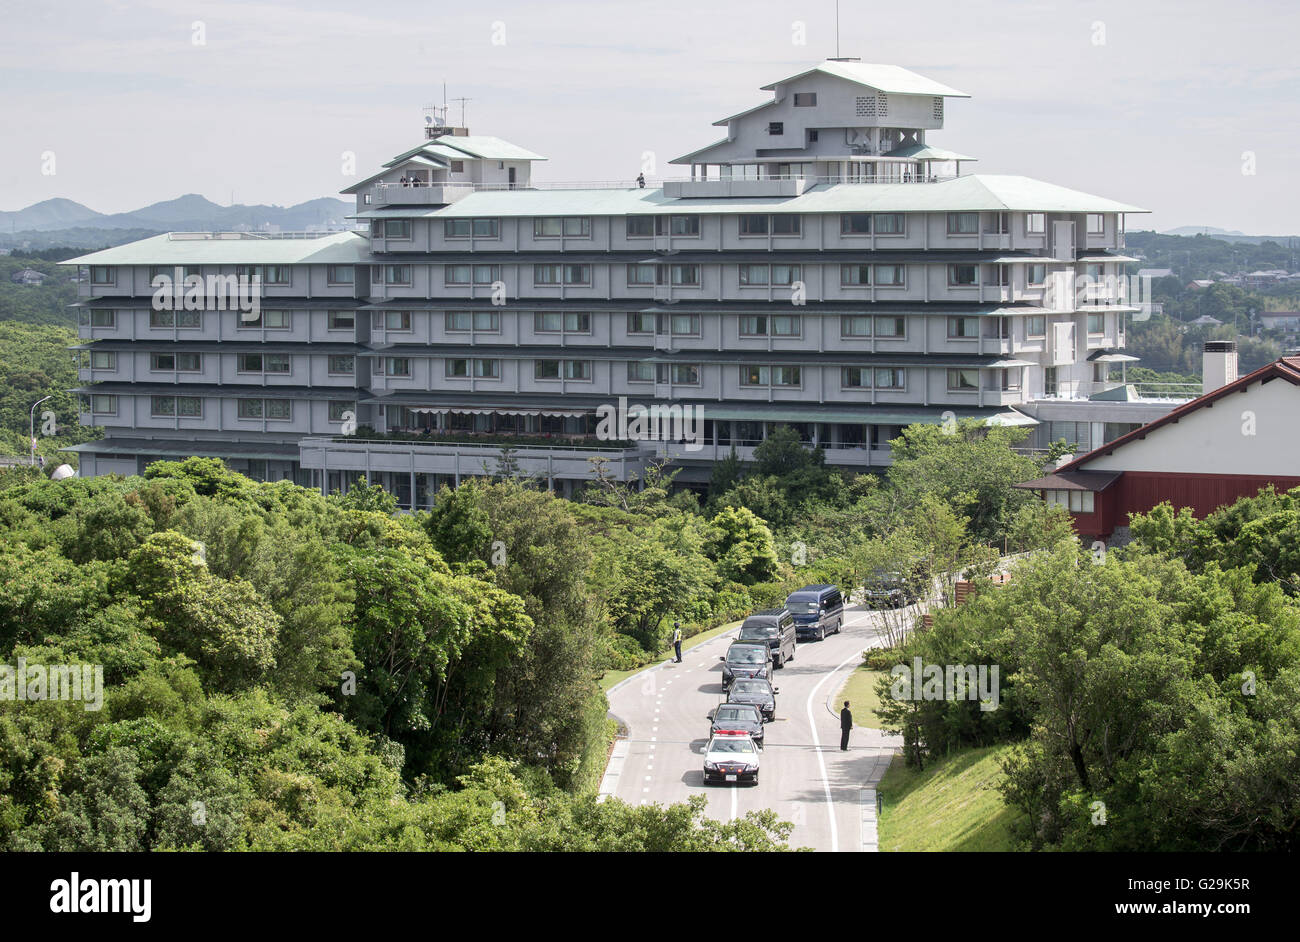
824	266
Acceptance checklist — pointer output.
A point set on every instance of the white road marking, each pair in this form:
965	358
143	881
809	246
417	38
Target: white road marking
821	760
733	803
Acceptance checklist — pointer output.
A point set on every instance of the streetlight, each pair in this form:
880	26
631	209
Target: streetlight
32	424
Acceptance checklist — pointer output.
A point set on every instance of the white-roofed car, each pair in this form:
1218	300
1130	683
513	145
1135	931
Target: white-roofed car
731	758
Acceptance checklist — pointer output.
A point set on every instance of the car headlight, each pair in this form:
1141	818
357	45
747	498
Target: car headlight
710	767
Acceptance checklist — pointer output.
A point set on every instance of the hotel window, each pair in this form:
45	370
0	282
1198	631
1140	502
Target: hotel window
963	327
688	275
1003	275
277	275
457	166
1096	224
769	376
251	408
684	325
397	274
102	275
487	369
396	366
561	274
1036	325
855	325
963	276
891	378
1096	324
963	223
776	128
562	369
175	362
187	407
1077	501
639	371
777	325
397	228
997	223
1009	380
894	328
1049	381
102	318
640	227
103	360
472	274
478	228
553	322
488	322
338	407
1100	372
855	377
395	320
681	225
787	224
1035	275
340	274
754	275
457	368
1096	273
162	405
890	224
890	276
855	224
805	99
639	323
341	320
785	275
751	225
641	275
679	374
1035	223
855	275
170	271
963	380
103	405
187	319
342	365
570	227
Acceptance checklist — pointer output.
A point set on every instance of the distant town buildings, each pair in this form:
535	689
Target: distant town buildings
28	276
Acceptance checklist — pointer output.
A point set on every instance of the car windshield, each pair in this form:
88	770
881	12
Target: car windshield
751	686
731	745
732	714
802	606
758	631
746	656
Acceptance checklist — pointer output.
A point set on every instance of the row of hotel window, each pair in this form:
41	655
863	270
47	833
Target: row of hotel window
689	374
852	326
638	275
272	275
191	407
748	224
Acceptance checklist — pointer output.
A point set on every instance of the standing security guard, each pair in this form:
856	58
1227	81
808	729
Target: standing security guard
846	724
677	640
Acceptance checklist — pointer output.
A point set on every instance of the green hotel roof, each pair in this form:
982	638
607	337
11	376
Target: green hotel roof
972	193
244	248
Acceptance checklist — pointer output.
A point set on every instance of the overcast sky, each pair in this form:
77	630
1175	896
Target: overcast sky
1159	114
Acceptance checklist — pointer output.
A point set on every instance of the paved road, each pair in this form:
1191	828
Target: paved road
805	777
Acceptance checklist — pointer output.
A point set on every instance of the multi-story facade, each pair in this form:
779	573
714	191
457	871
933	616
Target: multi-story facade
824	266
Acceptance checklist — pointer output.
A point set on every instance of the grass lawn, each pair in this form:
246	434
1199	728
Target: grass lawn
860	691
952	805
610	678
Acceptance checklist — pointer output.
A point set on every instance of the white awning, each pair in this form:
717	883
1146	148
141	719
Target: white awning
443	410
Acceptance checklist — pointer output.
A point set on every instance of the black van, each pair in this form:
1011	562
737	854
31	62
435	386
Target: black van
773	627
818	611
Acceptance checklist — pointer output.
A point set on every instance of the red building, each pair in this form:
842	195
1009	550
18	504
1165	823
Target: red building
1230	443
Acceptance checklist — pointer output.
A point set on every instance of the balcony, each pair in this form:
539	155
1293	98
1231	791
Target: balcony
436	194
459	459
734	186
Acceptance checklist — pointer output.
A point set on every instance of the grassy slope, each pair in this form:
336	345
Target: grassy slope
860	691
952	805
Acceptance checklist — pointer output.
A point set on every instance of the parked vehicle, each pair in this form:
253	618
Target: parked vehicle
737	718
743	660
888	590
775	628
818	611
731	758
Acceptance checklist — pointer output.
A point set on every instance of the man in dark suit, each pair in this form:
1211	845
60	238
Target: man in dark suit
846	724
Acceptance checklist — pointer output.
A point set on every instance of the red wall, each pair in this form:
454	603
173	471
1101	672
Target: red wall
1139	491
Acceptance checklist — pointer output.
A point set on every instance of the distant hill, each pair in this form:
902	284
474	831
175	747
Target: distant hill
191	211
1229	235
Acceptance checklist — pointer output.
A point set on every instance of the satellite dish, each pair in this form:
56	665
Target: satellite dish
61	472
428	119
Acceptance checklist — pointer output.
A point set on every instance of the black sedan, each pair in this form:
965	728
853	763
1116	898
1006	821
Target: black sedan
759	693
743	660
732	718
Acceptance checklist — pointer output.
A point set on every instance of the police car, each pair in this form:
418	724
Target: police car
731	758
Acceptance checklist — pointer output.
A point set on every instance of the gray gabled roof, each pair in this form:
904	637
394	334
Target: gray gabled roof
892	79
238	248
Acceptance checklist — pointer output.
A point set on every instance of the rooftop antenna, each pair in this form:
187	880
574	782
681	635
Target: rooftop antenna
837	29
462	109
